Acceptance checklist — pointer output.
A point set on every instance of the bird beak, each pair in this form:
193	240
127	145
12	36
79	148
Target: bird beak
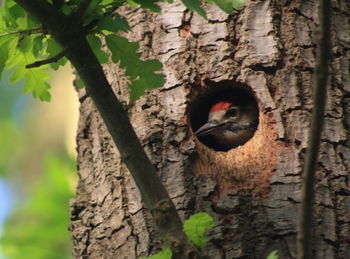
207	128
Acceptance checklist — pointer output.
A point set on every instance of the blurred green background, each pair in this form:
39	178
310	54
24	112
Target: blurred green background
37	169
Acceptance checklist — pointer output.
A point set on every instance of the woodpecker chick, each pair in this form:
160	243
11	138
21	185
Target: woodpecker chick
230	124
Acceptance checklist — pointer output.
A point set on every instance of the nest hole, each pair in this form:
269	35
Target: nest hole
225	91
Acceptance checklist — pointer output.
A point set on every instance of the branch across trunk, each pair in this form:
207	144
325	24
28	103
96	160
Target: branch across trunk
72	36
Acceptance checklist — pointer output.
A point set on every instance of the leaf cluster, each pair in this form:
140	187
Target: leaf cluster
24	41
273	255
195	229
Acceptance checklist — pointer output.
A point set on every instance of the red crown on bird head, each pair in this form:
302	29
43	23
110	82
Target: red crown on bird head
220	106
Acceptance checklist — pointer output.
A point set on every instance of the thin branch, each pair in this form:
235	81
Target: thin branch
47	61
69	33
317	118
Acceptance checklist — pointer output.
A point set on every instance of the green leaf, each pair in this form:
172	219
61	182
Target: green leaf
141	73
5	42
164	254
96	45
13	57
237	4
6	14
67	9
195	228
149	4
195	5
38	46
16	11
3	57
34	78
32	22
138	87
229	5
273	255
35	81
101	56
101	10
124	52
17	74
92	6
117	23
26	44
107	2
59	63
132	3
79	83
53	48
19	48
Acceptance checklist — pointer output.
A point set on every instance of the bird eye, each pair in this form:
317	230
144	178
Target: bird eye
232	112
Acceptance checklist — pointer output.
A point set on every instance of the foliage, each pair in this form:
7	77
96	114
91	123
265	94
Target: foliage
140	72
196	226
42	232
24	41
18	49
227	5
195	229
164	254
273	255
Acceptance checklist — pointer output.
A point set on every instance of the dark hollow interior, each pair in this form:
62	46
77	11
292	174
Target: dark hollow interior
200	105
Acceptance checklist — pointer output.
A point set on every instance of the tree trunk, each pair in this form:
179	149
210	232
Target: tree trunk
252	191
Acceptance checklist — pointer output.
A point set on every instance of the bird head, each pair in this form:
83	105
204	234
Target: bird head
230	124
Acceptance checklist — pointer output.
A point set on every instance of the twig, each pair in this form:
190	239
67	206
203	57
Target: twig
317	118
47	61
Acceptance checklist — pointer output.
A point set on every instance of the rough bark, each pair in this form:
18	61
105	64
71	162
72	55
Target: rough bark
253	191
